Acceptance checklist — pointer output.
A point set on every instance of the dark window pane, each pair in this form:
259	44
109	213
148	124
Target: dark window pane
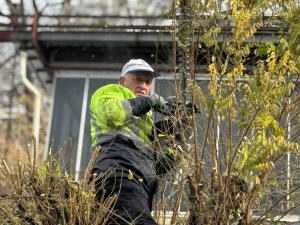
66	115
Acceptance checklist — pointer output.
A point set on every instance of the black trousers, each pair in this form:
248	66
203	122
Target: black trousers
132	203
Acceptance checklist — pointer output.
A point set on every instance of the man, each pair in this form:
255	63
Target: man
123	128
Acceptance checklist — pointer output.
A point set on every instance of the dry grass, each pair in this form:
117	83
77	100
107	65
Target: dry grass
47	195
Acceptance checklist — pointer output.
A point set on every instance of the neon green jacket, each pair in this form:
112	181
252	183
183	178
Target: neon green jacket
111	114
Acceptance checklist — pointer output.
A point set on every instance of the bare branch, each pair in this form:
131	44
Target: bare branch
8	59
35	6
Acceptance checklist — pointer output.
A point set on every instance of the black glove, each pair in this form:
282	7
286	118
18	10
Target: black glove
158	102
165	153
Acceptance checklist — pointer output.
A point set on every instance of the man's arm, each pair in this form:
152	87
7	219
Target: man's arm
143	104
115	112
137	106
114	104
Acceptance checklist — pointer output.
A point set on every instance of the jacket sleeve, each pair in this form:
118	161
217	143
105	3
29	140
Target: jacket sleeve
138	106
113	106
110	112
116	113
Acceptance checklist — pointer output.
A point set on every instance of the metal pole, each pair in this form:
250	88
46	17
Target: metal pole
37	97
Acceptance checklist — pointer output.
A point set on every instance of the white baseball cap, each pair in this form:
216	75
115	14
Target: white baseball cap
135	65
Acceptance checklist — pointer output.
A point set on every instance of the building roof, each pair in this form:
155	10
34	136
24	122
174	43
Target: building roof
79	46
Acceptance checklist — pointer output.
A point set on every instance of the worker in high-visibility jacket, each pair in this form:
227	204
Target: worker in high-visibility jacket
122	127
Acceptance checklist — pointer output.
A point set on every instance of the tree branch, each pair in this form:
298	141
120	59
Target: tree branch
34	6
7	59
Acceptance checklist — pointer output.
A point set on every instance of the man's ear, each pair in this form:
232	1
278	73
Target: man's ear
122	81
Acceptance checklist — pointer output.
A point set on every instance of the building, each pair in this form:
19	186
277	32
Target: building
74	60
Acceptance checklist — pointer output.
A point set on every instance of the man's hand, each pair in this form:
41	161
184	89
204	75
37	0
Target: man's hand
158	102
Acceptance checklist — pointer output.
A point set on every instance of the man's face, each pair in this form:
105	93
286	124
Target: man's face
138	82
